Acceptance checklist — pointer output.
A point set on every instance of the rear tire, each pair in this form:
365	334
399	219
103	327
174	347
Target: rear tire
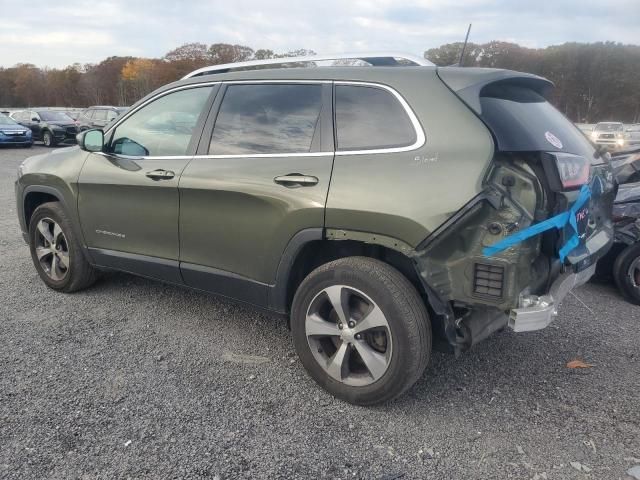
384	344
56	251
48	139
626	273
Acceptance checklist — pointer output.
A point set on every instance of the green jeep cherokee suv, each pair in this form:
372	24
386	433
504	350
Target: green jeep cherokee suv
383	208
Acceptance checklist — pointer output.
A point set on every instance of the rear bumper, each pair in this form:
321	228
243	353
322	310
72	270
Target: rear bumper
536	313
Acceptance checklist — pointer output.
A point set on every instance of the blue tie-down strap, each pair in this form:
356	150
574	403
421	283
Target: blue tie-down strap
559	221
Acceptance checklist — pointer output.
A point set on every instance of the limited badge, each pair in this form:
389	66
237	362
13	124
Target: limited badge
553	140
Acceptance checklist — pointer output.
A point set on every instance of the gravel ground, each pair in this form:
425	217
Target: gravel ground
136	379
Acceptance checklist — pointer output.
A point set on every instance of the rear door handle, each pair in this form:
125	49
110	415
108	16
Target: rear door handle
296	180
160	174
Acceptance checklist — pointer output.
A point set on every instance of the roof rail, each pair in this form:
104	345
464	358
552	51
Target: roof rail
373	59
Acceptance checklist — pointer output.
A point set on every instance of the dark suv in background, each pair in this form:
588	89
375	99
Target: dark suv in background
99	116
51	127
382	209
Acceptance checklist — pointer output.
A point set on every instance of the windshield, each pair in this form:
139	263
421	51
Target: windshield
55	117
609	127
4	120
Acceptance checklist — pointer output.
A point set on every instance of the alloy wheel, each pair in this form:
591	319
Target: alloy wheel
349	335
52	249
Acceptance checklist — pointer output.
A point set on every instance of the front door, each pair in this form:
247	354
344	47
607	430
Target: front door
261	176
128	195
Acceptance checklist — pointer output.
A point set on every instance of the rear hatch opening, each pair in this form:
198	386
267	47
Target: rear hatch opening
542	169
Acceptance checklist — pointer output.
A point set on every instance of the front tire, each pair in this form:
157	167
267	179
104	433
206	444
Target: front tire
626	273
48	139
56	251
361	330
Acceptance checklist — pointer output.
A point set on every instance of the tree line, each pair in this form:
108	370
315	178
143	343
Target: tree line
594	81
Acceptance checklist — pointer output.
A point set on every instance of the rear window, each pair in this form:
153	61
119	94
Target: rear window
523	120
370	118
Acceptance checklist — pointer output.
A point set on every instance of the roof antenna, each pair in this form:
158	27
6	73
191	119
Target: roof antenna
464	46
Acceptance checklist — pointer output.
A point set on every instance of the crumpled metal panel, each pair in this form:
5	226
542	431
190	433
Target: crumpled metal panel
626	166
626	212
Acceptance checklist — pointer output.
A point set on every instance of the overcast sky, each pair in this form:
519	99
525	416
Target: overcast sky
58	33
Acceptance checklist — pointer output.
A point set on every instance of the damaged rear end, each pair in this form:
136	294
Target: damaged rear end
539	225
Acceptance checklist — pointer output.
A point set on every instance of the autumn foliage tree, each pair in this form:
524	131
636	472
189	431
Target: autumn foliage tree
594	82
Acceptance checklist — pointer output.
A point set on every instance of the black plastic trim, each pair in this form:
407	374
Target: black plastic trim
60	198
466	208
143	265
277	299
226	284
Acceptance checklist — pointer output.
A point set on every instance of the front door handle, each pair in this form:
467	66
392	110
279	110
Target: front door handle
293	180
160	174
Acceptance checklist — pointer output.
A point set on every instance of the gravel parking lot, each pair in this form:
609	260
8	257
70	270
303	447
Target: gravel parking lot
136	379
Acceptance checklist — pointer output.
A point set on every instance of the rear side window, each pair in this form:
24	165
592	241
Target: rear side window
370	118
258	119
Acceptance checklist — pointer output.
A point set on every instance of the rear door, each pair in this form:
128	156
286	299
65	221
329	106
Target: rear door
261	175
128	196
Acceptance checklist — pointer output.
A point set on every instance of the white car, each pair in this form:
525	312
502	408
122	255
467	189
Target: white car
610	135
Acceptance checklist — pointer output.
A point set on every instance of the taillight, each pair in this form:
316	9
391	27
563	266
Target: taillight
573	170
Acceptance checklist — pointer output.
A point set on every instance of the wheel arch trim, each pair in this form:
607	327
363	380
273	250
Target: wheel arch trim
54	192
277	297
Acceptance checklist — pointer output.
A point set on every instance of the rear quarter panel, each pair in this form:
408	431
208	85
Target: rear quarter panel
407	195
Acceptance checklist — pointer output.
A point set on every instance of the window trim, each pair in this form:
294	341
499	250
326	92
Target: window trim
202	119
420	136
153	99
214	108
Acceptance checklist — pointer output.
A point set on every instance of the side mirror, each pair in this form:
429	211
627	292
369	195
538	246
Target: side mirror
91	140
34	119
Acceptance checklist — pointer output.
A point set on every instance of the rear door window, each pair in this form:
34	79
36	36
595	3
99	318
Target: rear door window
267	119
370	118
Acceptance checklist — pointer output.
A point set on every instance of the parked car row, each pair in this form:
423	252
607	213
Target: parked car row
53	127
622	262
